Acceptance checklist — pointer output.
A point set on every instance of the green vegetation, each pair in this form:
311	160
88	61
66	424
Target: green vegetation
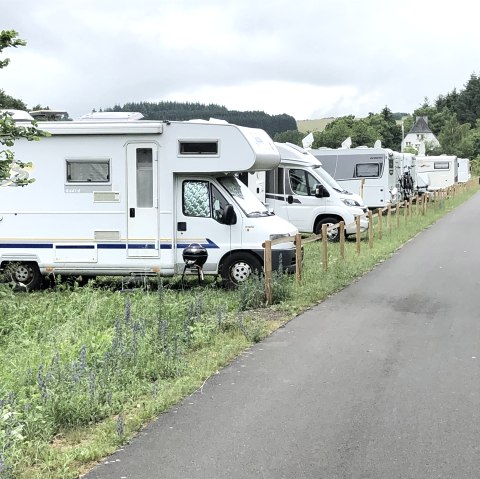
172	110
85	368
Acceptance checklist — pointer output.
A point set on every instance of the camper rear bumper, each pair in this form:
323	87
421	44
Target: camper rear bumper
285	256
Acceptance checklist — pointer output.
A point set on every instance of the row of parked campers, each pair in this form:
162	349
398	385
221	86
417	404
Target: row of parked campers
117	195
383	176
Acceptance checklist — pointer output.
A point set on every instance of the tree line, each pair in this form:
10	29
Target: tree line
177	111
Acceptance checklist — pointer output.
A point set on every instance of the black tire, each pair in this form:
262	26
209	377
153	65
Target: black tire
26	274
333	235
238	267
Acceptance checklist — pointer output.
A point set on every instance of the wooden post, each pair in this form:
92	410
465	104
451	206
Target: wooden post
324	247
342	239
405	210
389	218
298	257
357	222
267	259
417	200
410	207
397	214
370	229
380	223
425	204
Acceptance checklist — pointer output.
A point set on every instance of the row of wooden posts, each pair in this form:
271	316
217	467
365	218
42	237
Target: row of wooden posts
421	203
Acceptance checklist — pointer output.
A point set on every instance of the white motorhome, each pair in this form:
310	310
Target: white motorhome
126	197
371	167
437	172
300	191
463	170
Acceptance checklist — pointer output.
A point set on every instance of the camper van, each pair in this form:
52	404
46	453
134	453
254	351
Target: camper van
117	195
369	172
437	171
298	191
463	170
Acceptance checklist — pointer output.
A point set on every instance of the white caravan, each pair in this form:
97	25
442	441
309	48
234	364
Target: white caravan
118	197
299	191
437	171
374	167
463	170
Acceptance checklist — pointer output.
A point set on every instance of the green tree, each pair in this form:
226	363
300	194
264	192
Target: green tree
9	130
290	136
456	138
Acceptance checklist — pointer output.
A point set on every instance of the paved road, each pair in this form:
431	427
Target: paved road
381	381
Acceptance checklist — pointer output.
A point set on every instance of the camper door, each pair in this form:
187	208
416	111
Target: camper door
200	219
142	197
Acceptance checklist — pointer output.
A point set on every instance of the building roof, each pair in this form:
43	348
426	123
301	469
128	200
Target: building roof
420	126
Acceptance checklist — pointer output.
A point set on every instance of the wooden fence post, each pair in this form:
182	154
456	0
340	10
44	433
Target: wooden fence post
417	200
370	229
298	257
389	218
267	259
342	239
397	214
357	222
405	210
380	223
324	247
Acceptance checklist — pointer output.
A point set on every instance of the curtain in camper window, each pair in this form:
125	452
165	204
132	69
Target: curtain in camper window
196	198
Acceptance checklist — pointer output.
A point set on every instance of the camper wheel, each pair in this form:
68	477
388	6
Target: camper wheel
238	267
26	274
332	235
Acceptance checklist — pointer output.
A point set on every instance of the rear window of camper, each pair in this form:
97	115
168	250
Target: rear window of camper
198	147
367	170
441	165
88	171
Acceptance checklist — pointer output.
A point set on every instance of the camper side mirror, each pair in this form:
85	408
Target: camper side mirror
289	199
229	217
321	191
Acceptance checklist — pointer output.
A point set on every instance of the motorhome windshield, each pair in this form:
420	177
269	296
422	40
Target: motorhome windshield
328	179
249	203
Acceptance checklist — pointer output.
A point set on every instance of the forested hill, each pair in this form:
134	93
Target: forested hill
167	110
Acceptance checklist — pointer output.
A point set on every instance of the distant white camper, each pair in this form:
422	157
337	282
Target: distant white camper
463	170
127	197
437	172
374	167
300	191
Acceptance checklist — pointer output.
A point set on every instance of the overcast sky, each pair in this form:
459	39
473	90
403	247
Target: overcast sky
307	58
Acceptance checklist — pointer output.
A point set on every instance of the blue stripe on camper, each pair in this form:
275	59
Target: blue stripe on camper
208	244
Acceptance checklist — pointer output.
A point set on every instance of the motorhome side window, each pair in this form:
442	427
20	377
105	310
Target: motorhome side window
198	147
88	171
274	180
367	170
441	165
196	198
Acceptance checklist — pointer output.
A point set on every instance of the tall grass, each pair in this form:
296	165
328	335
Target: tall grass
84	368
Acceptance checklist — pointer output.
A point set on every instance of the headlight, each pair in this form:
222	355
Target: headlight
350	202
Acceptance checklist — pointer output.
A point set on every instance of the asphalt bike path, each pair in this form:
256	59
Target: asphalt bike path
379	381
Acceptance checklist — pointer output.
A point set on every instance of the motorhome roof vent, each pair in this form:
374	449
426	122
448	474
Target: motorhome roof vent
49	115
112	116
